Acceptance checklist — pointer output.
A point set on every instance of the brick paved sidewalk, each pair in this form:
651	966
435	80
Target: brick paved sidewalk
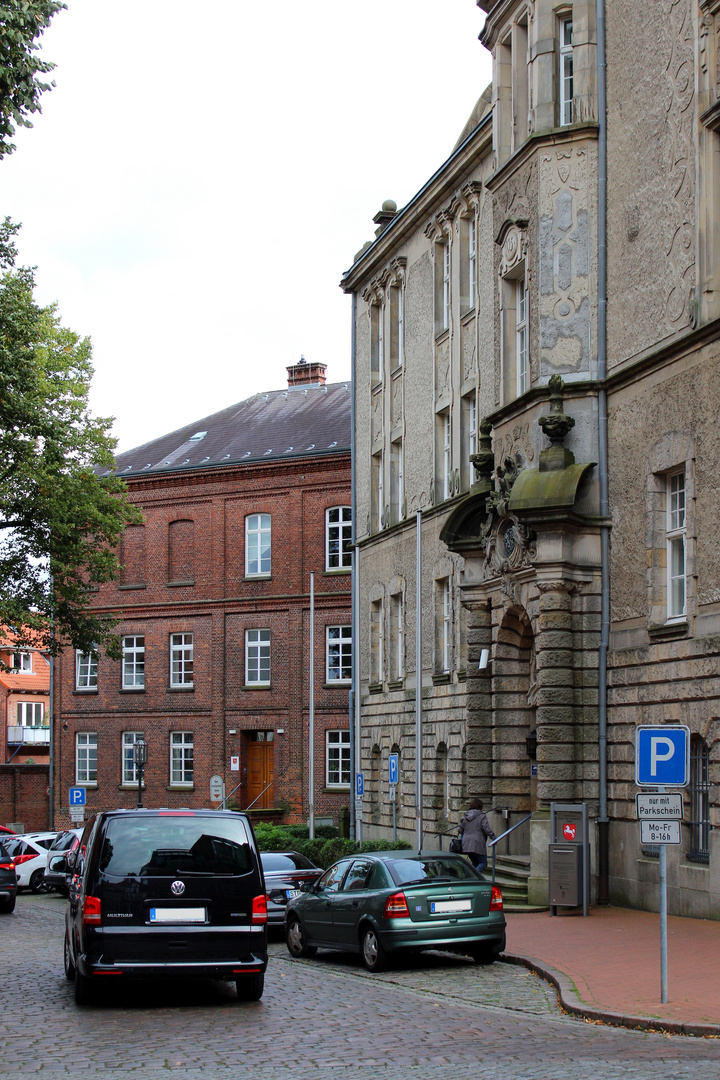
612	961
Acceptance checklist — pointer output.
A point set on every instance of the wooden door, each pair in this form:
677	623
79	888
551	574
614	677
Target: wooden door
261	773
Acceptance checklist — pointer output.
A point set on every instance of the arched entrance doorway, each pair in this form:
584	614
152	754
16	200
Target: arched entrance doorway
514	693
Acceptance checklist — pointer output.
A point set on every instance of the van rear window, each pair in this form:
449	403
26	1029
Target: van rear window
167	846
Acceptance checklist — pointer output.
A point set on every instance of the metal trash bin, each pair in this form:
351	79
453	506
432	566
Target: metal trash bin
565	874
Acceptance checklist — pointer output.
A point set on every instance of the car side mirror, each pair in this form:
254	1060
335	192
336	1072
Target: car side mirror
59	864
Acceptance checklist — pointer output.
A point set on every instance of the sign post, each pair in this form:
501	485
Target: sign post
662	759
393	774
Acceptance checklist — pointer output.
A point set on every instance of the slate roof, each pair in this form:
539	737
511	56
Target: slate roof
301	421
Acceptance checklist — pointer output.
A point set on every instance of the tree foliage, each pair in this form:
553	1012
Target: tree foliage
62	509
21	24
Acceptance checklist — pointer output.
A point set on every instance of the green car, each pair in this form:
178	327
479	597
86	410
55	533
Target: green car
392	901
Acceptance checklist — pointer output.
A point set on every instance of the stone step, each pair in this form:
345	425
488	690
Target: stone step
519	909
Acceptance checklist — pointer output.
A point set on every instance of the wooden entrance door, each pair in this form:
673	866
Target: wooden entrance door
261	771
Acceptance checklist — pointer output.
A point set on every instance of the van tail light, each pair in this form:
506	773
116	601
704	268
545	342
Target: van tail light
259	910
496	903
20	859
396	907
7	865
91	911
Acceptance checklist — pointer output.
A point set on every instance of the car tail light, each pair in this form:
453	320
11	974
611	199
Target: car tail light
396	907
24	858
7	865
496	899
259	910
91	911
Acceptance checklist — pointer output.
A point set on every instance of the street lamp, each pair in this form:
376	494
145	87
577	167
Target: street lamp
140	754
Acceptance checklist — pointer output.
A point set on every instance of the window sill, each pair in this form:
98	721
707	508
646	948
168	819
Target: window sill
396	684
468	315
337	684
132	689
396	371
442	678
257	577
375	688
180	787
257	686
340	571
335	789
80	691
86	783
130	787
178	584
129	588
441	336
189	688
462	676
669	630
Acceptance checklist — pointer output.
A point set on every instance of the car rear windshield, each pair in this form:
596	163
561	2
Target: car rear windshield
63	842
168	845
273	861
426	871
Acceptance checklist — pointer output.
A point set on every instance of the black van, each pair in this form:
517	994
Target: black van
167	893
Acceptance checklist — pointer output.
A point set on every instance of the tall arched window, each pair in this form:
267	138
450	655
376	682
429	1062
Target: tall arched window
699	792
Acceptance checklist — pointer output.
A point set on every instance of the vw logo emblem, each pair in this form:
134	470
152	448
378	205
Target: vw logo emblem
177	888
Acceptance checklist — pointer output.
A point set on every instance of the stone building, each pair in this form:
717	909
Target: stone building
213	601
536	362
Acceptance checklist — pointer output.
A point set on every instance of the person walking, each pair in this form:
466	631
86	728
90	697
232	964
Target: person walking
475	831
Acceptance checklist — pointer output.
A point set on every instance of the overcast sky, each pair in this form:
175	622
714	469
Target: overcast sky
202	175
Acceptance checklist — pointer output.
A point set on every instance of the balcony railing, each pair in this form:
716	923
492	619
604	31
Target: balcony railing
29	736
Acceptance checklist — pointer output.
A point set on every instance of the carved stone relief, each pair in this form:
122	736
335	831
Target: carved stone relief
397	400
442	369
516	444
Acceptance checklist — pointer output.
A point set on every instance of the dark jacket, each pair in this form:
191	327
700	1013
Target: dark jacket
475	831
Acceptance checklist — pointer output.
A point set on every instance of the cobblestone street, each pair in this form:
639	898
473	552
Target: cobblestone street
436	1016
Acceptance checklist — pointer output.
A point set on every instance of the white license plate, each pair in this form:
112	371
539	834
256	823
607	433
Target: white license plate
437	906
178	915
292	893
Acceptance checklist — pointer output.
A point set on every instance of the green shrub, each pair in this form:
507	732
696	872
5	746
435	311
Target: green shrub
325	849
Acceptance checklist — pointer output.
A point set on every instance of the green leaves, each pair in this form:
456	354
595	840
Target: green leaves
21	24
60	518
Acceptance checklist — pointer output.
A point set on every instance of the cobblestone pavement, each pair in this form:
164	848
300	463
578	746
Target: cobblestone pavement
435	1017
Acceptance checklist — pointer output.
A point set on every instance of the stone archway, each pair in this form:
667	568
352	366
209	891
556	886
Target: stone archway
513	713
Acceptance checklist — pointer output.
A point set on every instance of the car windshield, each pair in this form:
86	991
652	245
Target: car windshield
430	870
169	845
273	861
63	842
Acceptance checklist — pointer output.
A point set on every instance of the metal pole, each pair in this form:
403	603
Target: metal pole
663	925
51	769
355	816
418	683
393	788
311	712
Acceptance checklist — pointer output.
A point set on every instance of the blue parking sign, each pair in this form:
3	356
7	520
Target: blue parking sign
393	768
662	756
77	796
359	784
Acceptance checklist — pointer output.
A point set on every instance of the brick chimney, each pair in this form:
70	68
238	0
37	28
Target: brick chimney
302	374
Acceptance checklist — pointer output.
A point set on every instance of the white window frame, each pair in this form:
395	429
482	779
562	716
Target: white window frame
566	70
447	454
446	285
472	262
445	626
378	466
338	654
521	335
257	657
34	711
676	545
376	641
182	774
128	766
257	527
182	651
472	425
86	757
400	325
398	479
397	621
22	663
338	538
133	662
85	671
338	767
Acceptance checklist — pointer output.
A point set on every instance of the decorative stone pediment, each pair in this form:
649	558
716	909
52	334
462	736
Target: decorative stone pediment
513	241
392	274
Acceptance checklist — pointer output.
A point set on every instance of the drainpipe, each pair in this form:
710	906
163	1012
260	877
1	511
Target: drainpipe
603	894
355	819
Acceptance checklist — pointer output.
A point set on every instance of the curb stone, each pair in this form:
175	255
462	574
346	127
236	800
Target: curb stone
569	998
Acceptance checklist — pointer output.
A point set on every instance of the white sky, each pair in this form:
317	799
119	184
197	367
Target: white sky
202	175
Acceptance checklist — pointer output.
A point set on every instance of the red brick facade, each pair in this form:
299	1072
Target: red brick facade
184	573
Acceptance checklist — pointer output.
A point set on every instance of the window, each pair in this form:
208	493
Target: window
397	633
22	662
337	758
30	713
472	262
338	538
377	343
442	286
397	317
521	356
85	671
468	265
699	792
133	663
378	491
338	653
443	627
675	541
257	545
397	484
376	642
469	437
446	286
181	757
566	71
129	769
181	660
257	657
86	757
446	454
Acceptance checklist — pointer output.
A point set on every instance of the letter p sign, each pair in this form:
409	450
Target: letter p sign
662	756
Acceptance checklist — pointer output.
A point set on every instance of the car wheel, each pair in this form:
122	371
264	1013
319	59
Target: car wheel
250	988
295	940
83	989
8	906
37	882
373	955
67	960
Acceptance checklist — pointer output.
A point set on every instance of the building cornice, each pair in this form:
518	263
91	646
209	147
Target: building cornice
537	141
322	461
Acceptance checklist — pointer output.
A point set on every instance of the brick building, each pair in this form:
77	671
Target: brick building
24	701
214	607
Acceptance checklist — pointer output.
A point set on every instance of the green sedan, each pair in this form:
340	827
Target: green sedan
392	901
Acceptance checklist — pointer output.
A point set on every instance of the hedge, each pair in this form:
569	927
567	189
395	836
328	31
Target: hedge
323	850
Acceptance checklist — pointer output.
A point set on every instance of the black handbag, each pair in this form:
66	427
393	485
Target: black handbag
456	845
